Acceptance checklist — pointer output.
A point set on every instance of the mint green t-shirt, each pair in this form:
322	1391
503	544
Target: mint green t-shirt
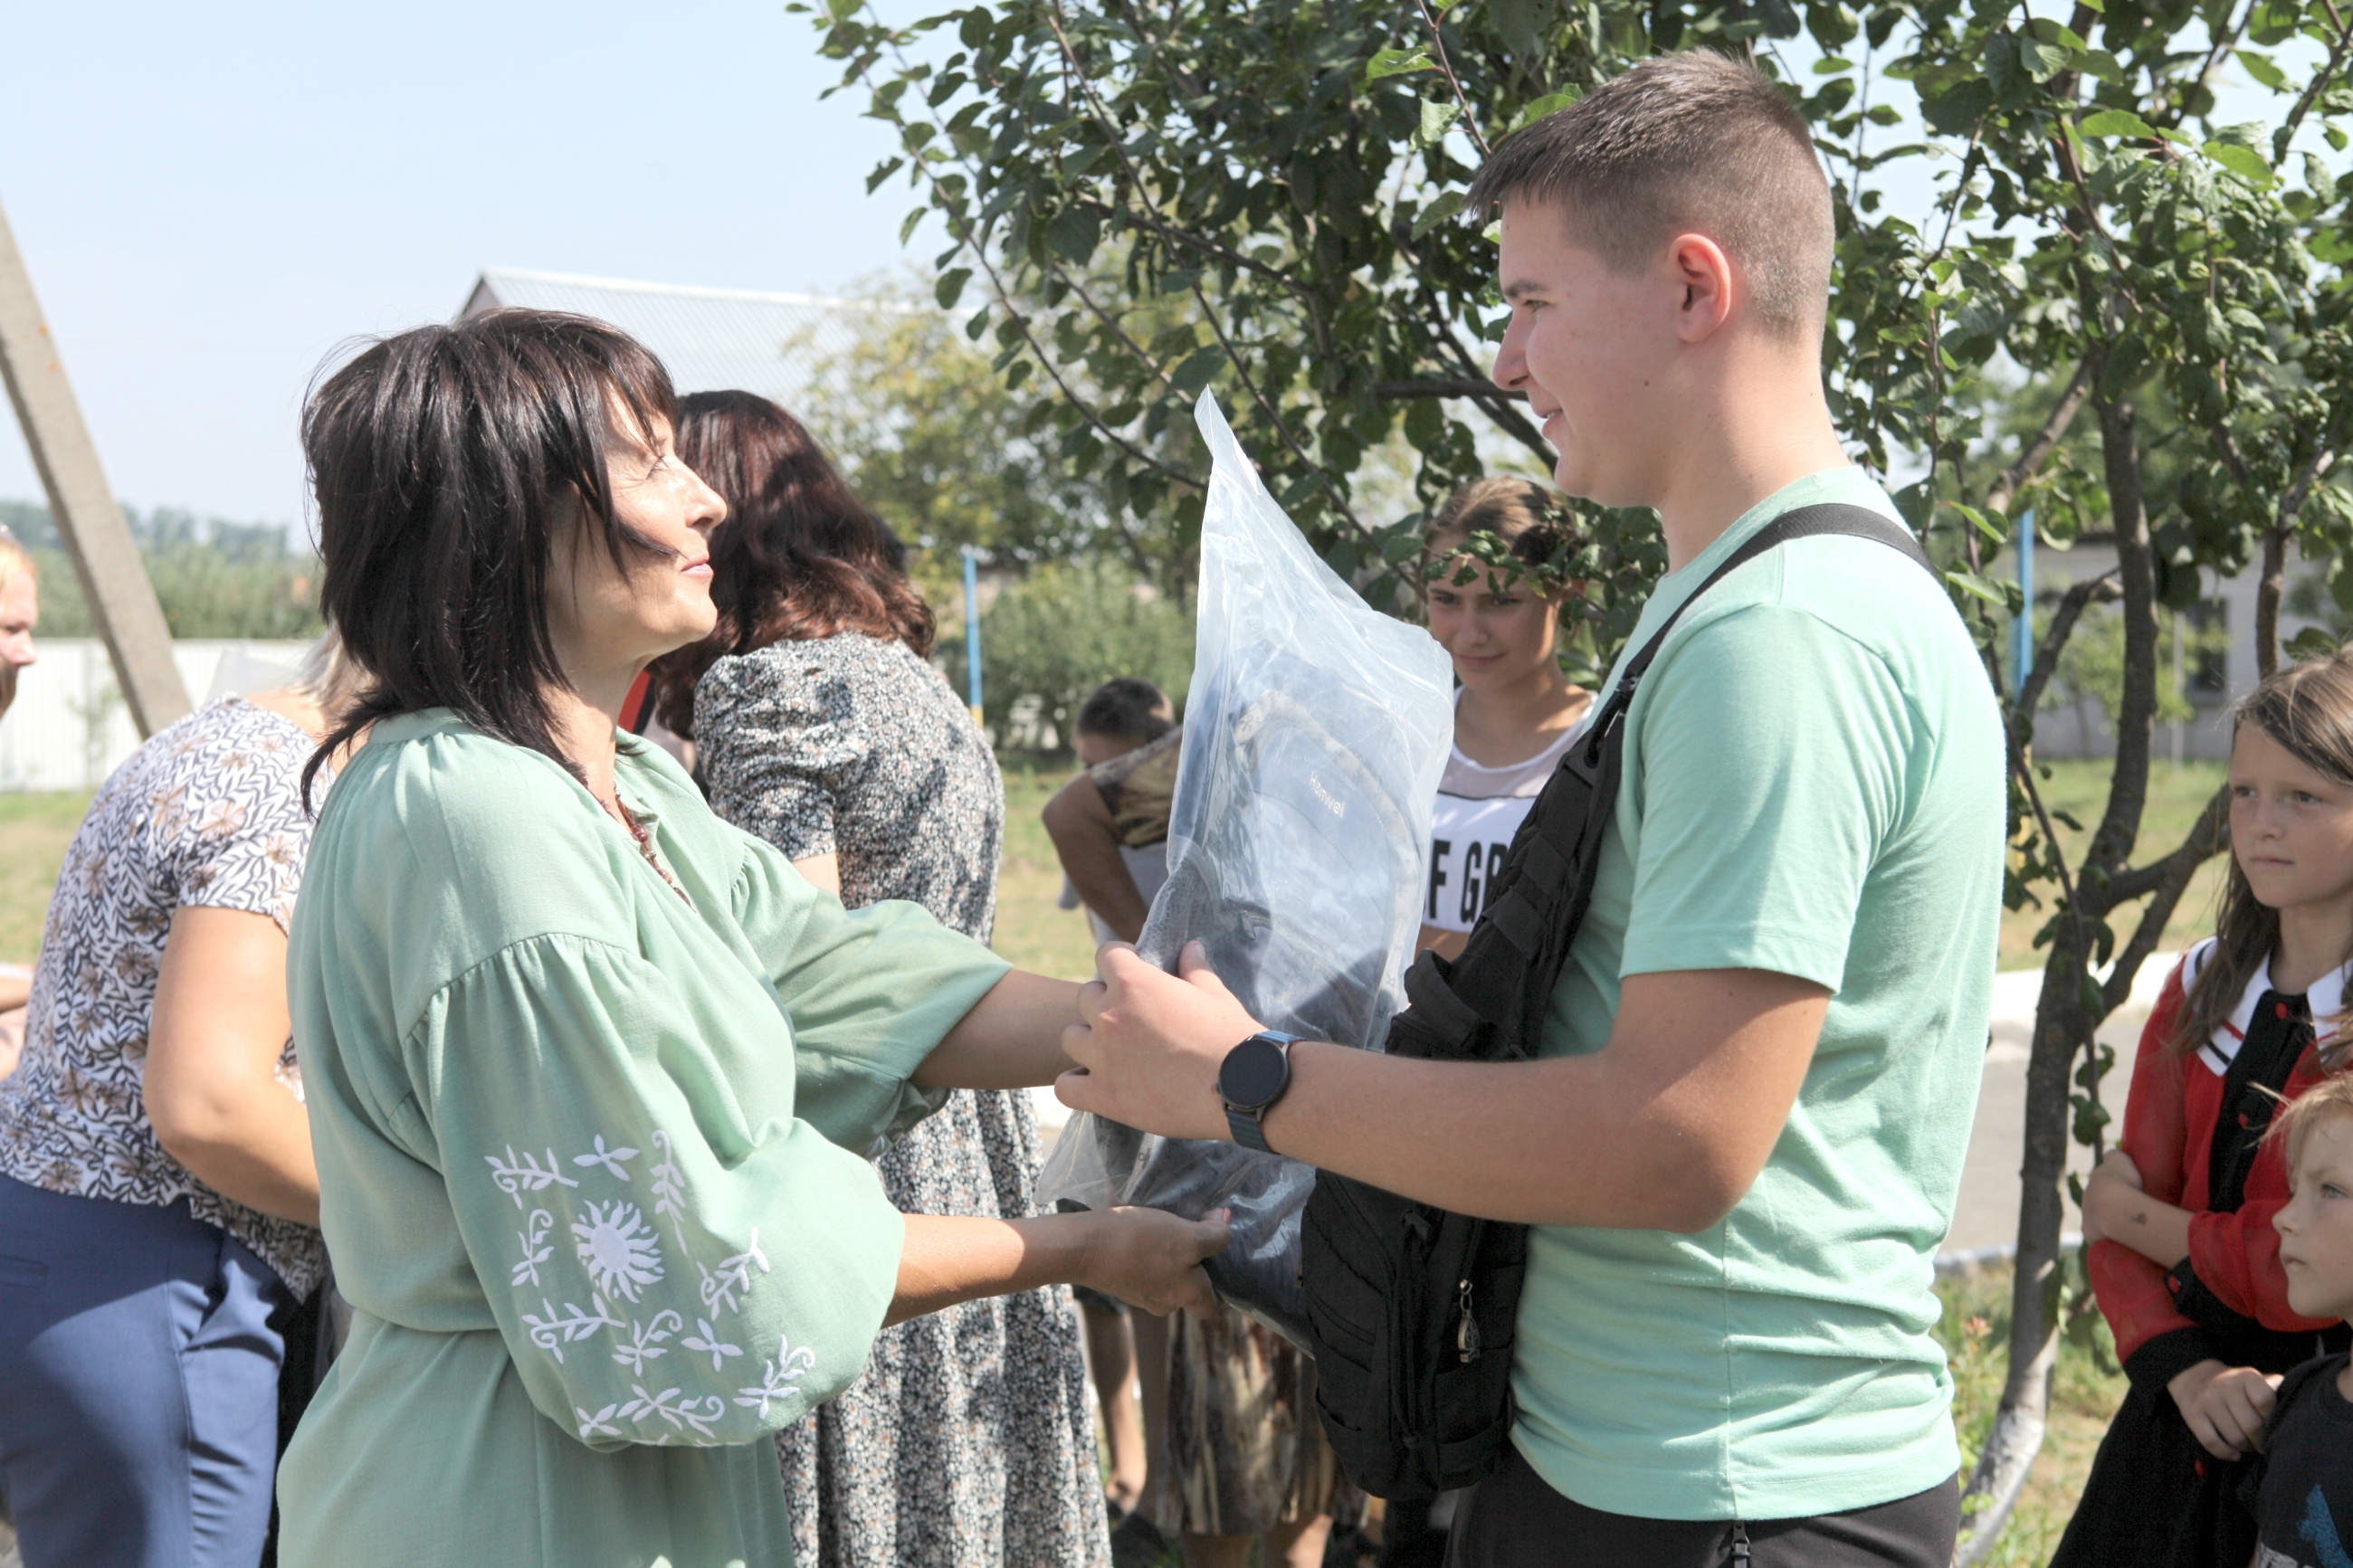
1813	785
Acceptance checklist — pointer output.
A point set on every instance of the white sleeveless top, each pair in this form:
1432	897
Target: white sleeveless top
1479	810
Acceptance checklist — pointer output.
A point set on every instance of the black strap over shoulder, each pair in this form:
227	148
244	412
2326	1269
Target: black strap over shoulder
1413	1308
1491	1001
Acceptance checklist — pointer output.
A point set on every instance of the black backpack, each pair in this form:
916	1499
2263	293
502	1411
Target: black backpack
1412	1308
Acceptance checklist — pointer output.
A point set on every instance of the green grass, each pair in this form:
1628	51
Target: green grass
1030	931
2079	789
34	832
2083	1397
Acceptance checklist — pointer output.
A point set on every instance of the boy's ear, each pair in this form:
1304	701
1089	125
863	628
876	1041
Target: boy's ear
1709	288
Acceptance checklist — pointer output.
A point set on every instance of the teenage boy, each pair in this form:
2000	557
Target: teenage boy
1741	1147
2302	1485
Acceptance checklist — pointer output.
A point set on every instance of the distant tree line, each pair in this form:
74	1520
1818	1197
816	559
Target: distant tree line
217	578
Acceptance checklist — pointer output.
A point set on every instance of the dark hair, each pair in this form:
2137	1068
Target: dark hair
799	557
1127	708
1690	139
2307	709
447	461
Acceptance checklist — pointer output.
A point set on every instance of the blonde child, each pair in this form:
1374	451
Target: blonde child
2303	1484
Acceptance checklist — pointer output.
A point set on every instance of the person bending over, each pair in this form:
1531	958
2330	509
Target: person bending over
1741	1145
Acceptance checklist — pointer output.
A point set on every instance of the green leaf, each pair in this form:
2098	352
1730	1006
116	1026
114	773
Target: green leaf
1397	62
1198	367
2114	122
1531	113
2313	642
1970	583
2260	68
1994	531
1435	118
2243	162
950	287
1073	233
1437	212
1955	111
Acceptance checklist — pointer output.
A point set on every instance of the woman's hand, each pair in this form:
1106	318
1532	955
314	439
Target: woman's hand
1152	1259
2116	1173
2227	1408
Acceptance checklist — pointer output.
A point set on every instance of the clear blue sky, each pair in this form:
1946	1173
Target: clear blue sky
212	198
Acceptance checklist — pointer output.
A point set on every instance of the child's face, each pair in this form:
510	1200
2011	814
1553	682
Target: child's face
2291	827
2316	1228
1496	634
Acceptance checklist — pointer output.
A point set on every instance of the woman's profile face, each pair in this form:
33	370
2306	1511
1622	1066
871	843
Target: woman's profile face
1495	632
601	613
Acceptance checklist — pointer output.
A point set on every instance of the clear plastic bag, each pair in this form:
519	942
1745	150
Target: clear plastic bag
1315	731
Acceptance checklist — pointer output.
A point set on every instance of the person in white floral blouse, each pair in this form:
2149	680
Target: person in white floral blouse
158	1202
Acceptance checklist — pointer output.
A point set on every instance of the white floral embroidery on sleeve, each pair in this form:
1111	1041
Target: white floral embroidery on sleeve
555	1331
599	1425
670	1188
610	1158
706	1340
536	1248
735	1274
623	1256
778	1378
646	1340
680	1413
516	1177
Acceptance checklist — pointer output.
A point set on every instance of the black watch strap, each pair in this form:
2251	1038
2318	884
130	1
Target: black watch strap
1243	1120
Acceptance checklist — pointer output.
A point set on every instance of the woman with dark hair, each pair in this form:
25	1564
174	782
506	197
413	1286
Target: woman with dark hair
591	1072
821	727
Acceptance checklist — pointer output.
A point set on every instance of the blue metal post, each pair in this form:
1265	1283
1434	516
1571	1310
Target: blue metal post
972	627
2022	630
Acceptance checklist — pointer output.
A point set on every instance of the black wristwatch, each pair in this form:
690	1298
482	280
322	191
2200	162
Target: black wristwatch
1254	1078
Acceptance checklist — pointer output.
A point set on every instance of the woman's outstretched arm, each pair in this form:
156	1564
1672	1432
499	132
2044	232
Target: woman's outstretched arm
1012	1037
1144	1256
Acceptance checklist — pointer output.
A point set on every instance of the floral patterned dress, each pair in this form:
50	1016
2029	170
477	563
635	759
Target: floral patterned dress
969	1442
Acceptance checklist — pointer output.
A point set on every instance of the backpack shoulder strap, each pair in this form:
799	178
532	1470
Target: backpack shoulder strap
1806	522
1492	1000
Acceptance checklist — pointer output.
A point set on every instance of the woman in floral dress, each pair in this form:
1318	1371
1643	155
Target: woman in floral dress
969	1442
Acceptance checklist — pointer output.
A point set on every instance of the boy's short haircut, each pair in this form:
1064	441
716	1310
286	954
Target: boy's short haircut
1689	143
2292	1125
1128	710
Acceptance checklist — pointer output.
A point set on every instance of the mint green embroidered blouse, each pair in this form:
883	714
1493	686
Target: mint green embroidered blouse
589	1159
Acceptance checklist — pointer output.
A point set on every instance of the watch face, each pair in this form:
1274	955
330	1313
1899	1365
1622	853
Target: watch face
1253	1075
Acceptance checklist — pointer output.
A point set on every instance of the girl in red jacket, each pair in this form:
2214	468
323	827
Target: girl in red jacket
2184	1260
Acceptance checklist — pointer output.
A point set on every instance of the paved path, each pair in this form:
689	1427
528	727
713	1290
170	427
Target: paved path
1987	1213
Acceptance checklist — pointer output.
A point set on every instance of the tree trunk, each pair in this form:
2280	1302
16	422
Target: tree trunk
2069	1010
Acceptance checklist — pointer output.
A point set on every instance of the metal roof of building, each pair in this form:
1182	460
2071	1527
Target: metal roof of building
711	340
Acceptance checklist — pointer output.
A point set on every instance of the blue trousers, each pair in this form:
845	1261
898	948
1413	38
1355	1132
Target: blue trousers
138	1385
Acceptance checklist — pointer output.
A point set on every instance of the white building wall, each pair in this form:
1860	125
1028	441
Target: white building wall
69	728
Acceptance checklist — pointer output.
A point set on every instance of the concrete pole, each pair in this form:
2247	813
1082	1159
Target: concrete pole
114	581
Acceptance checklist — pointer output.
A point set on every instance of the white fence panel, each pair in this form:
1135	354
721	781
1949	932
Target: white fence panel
69	728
